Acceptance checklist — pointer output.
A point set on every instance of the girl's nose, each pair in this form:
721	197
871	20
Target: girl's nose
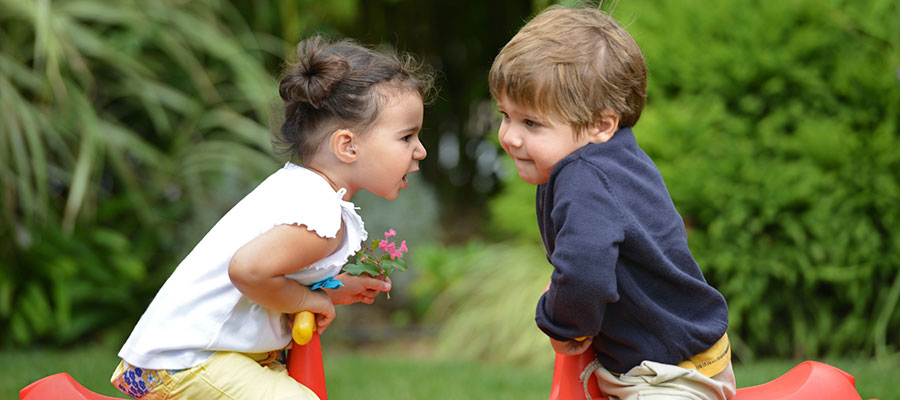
419	153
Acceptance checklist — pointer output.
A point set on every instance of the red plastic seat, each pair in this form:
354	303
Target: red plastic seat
304	364
810	380
59	386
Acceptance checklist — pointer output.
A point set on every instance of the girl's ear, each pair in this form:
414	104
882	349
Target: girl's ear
604	128
343	144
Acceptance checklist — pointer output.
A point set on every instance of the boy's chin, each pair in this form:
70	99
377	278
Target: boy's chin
530	179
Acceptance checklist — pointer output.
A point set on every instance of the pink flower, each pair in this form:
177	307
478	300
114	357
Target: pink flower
403	246
395	254
383	245
390	233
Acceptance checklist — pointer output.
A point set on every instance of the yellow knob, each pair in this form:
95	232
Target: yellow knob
304	326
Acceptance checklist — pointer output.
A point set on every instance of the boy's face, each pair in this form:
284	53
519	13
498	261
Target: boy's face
535	145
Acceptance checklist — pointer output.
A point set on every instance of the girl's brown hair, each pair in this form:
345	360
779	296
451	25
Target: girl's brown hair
340	85
572	64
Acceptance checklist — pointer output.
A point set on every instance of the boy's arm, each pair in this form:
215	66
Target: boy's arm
569	347
589	228
572	347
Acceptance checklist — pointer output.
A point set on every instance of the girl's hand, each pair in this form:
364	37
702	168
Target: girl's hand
318	303
570	347
358	289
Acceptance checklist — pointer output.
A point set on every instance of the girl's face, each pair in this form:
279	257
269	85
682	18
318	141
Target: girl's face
391	149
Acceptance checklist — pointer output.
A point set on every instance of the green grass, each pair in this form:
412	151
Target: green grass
352	376
90	365
348	376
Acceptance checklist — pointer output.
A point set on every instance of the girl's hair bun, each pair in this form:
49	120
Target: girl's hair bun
339	84
315	76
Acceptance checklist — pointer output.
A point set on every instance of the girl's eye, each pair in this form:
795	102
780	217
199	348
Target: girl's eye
529	123
505	115
406	138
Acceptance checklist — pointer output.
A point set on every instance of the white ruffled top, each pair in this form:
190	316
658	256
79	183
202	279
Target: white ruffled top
198	311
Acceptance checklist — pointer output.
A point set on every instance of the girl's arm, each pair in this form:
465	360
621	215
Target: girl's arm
257	269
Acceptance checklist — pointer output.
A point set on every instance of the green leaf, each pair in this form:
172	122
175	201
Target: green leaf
365	267
354	269
393	265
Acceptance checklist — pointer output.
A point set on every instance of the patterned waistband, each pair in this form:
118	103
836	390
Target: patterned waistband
712	361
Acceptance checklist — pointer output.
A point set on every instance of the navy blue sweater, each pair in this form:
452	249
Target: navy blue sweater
623	273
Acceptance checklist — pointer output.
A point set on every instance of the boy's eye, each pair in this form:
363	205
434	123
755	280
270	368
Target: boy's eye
529	123
505	115
406	138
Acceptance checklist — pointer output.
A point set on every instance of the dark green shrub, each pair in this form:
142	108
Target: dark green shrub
484	310
126	130
776	128
70	286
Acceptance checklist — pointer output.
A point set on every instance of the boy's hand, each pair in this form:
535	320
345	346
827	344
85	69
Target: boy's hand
358	289
570	347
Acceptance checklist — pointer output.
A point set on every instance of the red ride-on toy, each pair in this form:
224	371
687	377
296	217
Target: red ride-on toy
810	380
304	364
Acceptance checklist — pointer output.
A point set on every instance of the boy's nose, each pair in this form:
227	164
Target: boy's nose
509	138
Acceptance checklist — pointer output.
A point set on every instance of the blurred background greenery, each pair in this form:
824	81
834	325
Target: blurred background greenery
127	128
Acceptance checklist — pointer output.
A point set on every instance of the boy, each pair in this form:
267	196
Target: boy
570	86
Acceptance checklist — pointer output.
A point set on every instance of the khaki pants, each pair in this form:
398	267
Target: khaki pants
225	375
656	381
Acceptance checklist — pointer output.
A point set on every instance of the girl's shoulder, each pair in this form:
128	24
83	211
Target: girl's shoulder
296	195
300	185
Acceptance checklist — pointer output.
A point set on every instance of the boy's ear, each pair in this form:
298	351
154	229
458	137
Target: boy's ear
343	144
604	128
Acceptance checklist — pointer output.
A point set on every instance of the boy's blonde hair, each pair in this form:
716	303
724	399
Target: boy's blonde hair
570	65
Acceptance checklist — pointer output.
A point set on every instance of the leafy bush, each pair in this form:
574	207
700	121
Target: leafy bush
126	129
437	268
487	311
776	129
780	157
73	285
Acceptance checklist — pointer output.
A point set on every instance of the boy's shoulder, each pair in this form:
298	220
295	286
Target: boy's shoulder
617	163
613	153
581	172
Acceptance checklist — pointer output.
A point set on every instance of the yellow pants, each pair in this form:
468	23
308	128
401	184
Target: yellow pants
225	375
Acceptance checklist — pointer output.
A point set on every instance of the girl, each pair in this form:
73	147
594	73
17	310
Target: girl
219	323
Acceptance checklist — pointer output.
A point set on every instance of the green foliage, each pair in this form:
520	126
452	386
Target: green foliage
776	131
126	129
512	211
73	285
439	267
783	165
487	312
